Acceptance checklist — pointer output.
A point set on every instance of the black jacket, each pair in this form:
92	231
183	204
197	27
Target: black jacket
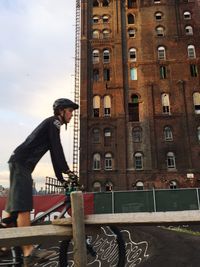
45	137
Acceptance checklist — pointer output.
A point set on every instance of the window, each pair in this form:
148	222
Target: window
95	75
131	33
132	54
131	19
158	15
196	101
95	135
168	135
165	103
137	134
157	1
106	56
95	19
160	31
105	18
108	161
140	185
109	186
193	70
133	108
106	33
198	133
107	136
171	164
106	74
191	51
163	72
187	15
172	185
96	105
133	74
161	53
132	3
97	187
96	161
138	161
95	56
107	106
95	34
95	3
105	2
188	30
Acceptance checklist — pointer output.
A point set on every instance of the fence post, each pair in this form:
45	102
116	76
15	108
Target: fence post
78	227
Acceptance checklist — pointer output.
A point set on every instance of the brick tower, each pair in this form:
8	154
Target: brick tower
140	94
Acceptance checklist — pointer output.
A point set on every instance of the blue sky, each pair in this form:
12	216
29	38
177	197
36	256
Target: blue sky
36	67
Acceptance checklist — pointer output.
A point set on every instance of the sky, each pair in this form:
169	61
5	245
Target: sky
36	67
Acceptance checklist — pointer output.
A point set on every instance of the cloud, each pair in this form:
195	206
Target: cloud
36	67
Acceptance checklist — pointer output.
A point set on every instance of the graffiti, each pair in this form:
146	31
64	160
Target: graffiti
105	245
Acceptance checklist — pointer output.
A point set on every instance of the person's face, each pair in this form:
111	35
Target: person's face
67	113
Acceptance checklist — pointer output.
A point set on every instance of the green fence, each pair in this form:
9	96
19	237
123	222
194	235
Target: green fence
147	201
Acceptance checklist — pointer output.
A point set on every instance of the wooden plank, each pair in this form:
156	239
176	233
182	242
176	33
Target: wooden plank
78	226
140	218
33	234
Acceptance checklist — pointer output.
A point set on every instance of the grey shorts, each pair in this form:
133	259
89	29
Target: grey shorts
20	196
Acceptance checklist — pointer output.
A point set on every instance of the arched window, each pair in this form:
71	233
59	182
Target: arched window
161	53
131	19
106	33
191	51
96	161
138	161
171	163
196	101
105	2
137	134
131	33
96	105
97	187
107	106
109	186
95	135
105	18
158	15
168	135
173	184
133	74
165	103
198	133
107	137
95	34
140	185
187	15
95	56
95	75
133	108
108	161
95	19
188	30
160	31
132	54
106	56
95	3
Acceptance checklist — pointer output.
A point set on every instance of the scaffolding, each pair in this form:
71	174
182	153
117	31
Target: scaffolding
76	90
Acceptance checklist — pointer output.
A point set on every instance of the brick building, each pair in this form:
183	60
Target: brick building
140	94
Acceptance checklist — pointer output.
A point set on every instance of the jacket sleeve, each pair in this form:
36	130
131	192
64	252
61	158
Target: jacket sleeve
56	151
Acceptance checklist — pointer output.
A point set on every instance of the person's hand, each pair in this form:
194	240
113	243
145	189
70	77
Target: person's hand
72	176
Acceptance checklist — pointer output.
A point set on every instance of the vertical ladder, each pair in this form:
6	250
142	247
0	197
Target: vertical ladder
76	89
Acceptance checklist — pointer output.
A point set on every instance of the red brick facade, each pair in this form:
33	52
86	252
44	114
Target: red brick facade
140	94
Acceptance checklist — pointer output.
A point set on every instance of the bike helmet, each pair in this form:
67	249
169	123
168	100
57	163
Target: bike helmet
64	103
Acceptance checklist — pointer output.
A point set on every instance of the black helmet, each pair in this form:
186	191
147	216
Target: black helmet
64	103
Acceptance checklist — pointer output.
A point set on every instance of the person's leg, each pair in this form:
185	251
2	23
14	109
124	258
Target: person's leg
24	220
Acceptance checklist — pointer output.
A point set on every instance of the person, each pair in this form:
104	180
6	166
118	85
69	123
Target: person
46	137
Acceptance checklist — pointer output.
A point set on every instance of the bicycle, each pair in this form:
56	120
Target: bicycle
102	243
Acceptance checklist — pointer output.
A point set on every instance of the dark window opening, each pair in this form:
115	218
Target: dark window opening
132	3
96	112
133	109
193	70
105	3
163	72
95	3
106	75
131	19
95	75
